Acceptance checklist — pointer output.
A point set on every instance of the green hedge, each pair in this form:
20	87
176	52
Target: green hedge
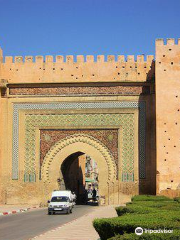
148	207
150	212
156	204
150	198
177	199
134	209
146	236
127	223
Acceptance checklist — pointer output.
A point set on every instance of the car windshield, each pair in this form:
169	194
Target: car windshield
59	199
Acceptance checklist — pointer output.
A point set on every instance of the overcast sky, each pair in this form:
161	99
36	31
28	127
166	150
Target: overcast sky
75	27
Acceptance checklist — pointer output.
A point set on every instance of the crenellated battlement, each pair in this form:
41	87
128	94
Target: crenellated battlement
168	41
167	57
78	59
74	69
61	69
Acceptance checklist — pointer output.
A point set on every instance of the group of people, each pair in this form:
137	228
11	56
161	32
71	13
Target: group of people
92	194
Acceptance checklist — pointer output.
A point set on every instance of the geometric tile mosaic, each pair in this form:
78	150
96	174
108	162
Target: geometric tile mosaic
82	120
92	142
82	90
109	137
83	105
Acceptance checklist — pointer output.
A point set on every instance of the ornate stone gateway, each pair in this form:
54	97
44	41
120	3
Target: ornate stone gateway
51	110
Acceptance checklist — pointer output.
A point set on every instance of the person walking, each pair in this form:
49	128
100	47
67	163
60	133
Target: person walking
94	192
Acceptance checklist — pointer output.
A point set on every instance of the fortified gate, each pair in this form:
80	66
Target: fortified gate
51	108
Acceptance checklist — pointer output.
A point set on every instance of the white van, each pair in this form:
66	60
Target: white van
67	193
61	201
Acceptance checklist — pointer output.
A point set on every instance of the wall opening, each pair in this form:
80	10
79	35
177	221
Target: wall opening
80	175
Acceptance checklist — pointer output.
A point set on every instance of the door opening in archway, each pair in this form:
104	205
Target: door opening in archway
80	175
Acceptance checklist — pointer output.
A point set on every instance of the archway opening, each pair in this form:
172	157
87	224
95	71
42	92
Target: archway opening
107	170
80	175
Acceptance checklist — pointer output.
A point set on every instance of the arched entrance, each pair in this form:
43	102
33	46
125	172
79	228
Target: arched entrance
51	167
80	175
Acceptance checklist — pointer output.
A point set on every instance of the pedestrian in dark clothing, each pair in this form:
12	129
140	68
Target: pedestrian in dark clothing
94	192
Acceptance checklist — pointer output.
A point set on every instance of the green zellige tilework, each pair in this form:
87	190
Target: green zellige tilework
83	120
17	107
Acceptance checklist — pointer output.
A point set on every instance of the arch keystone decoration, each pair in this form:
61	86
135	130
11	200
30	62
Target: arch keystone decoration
84	139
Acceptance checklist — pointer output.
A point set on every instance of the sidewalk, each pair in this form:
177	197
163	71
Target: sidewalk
12	209
81	228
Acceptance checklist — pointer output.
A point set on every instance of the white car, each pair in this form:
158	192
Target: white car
60	202
67	193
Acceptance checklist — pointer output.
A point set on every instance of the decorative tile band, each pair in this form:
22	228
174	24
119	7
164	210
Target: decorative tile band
123	120
82	90
48	137
83	105
79	138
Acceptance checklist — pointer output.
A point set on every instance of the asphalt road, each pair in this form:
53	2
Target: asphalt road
23	226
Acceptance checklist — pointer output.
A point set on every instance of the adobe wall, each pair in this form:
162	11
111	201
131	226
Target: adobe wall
40	70
35	81
168	116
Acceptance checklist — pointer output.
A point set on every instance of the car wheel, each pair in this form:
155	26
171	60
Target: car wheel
71	210
49	213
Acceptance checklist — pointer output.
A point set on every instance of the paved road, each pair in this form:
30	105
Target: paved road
26	225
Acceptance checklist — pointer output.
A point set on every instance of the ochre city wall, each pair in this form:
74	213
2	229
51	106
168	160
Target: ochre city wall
44	81
61	71
168	116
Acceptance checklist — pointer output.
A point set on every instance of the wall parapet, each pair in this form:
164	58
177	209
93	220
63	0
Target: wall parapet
168	41
77	69
79	59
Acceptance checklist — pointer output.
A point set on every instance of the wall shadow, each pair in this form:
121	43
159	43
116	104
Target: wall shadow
147	184
73	171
